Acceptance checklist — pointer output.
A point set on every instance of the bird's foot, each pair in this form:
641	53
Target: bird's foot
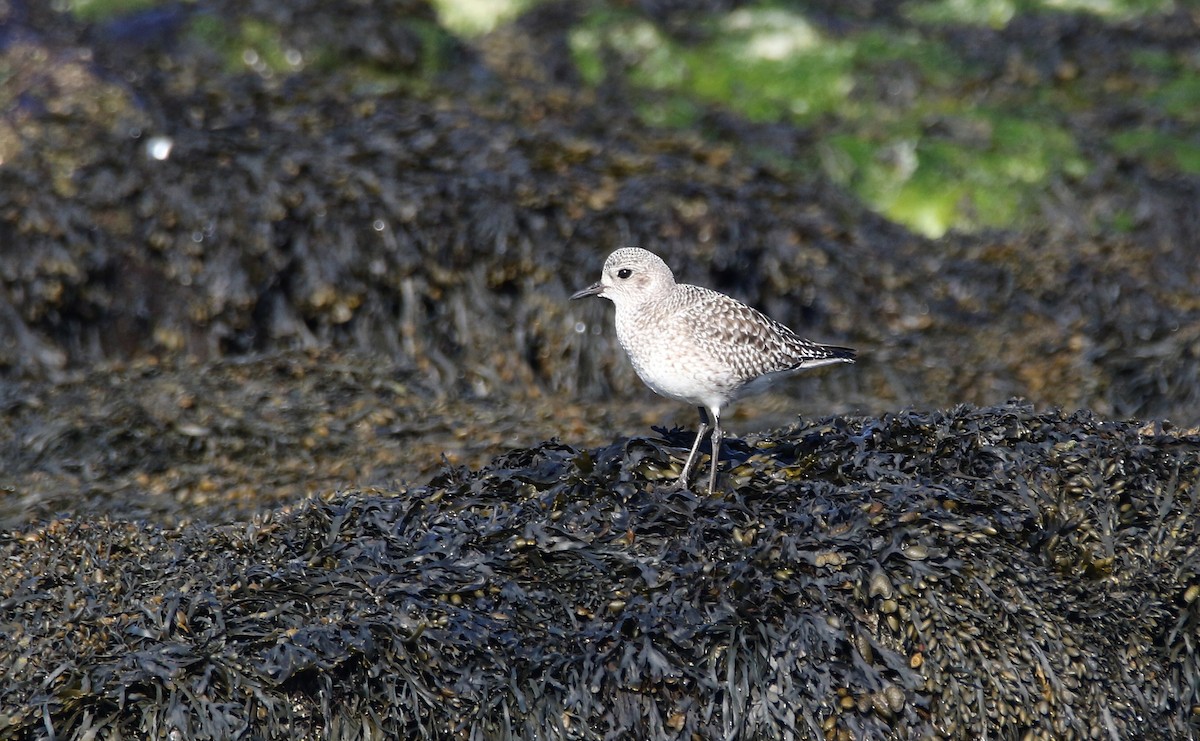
681	484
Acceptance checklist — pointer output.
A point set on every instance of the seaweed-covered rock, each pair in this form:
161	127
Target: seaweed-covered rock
392	192
174	441
997	571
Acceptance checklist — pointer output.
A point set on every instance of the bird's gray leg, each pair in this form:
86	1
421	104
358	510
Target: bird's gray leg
692	456
716	453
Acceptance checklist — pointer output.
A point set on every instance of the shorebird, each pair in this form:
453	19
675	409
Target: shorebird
699	346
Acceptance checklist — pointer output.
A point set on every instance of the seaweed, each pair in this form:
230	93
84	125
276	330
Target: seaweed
976	571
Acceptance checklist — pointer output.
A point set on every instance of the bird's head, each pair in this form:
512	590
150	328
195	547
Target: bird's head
631	276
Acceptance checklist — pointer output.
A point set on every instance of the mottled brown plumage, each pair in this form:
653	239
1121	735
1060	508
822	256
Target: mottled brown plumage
699	346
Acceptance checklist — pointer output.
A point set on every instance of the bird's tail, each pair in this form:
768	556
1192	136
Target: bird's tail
846	354
816	356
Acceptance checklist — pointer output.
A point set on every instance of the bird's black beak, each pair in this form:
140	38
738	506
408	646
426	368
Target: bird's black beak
592	290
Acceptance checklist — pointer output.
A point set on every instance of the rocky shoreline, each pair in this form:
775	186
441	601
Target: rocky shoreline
300	437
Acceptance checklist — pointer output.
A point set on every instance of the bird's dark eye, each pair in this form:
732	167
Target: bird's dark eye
624	273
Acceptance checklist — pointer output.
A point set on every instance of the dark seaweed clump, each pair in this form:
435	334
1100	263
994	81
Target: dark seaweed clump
995	571
220	441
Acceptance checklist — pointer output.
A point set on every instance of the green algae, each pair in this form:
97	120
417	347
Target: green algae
882	99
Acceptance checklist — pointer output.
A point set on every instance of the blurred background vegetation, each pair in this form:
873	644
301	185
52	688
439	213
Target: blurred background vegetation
988	198
924	126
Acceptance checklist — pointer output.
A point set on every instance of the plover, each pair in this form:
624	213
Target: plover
697	345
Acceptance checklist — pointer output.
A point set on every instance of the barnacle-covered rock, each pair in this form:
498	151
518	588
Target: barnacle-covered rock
1000	572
